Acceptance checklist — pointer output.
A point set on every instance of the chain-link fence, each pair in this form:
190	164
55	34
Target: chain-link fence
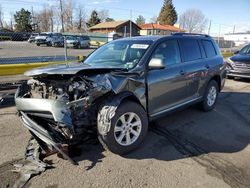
45	48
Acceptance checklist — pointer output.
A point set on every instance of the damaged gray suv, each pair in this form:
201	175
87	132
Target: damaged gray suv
118	89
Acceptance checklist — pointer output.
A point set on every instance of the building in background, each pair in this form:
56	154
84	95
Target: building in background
238	38
157	29
120	27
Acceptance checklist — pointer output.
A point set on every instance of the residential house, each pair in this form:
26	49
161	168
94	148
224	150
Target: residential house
157	29
120	27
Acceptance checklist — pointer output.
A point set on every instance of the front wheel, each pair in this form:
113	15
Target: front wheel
210	96
128	129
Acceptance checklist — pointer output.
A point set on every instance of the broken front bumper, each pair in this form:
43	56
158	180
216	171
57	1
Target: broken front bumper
43	108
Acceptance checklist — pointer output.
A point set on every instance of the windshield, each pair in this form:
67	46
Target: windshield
245	50
119	54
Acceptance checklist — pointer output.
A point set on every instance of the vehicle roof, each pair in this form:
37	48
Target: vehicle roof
157	37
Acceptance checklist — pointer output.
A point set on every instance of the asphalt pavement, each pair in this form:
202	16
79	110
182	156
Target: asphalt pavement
188	148
17	49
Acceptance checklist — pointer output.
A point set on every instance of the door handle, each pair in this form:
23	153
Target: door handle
182	72
207	66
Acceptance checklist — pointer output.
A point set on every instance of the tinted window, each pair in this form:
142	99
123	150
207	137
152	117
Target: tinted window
245	50
168	51
209	48
190	49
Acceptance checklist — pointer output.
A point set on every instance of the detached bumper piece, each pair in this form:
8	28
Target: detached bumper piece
43	134
33	165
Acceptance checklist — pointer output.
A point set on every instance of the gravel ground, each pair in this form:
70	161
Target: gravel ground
188	148
25	49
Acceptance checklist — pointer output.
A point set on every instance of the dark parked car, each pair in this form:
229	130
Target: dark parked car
239	64
57	41
119	88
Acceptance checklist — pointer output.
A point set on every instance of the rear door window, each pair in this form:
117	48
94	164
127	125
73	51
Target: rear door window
168	51
190	49
209	48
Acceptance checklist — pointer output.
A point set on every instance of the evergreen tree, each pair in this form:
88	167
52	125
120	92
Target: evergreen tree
140	20
94	19
23	21
109	19
168	14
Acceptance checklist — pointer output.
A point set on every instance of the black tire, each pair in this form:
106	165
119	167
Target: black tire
109	141
204	105
230	77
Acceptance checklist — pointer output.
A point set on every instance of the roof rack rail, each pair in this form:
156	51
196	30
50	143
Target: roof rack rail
190	34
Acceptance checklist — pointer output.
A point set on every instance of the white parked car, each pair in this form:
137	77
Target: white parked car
46	38
78	41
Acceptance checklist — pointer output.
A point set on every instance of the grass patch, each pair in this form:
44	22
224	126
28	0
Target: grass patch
227	54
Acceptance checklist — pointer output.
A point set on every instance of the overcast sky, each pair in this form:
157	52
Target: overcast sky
224	14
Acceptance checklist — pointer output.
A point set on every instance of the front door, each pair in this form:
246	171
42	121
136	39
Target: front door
166	87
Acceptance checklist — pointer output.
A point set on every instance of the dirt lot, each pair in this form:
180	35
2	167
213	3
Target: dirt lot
189	148
25	49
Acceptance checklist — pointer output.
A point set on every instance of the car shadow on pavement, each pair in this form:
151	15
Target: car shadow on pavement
191	132
91	152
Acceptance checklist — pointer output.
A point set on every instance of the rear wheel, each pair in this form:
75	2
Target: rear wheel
128	129
210	96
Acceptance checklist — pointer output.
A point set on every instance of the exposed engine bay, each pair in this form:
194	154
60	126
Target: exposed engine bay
79	95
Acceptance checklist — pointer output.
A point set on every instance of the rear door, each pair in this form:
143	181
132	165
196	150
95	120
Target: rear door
193	62
166	87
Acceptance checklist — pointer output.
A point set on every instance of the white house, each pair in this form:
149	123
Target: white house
238	38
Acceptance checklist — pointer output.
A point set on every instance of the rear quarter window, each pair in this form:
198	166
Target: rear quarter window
190	49
209	48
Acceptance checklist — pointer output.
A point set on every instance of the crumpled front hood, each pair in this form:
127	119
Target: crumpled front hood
65	69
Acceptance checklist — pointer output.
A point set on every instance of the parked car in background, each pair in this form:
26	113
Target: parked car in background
239	64
119	88
58	41
46	38
78	41
84	41
33	37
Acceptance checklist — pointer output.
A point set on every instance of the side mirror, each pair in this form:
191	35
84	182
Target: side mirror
156	63
236	52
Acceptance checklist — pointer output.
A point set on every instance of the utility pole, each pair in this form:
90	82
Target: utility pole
219	35
209	27
33	24
61	7
130	24
231	45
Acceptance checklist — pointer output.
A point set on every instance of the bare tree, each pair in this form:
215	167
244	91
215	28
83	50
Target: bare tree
1	17
45	19
68	15
80	21
193	20
153	19
103	14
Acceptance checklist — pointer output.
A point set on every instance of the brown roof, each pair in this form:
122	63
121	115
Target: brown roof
161	27
108	25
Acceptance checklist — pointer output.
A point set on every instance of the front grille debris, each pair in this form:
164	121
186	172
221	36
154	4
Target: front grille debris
34	165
